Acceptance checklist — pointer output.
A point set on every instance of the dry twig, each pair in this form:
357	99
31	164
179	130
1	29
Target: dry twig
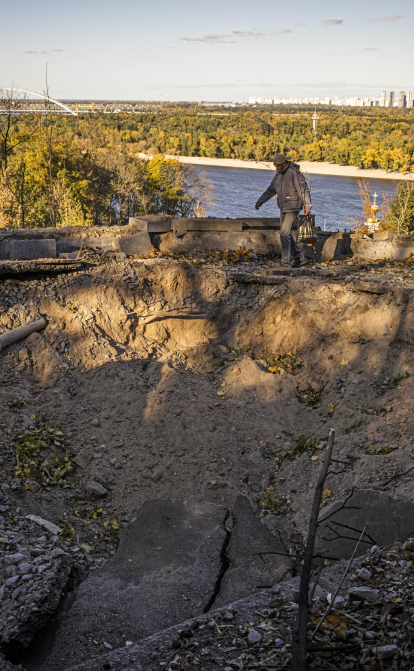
300	630
330	606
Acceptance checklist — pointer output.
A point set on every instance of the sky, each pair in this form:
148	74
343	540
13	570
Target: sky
216	50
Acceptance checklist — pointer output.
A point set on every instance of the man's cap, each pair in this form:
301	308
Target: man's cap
281	158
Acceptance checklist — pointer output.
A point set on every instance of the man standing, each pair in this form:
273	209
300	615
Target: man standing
292	192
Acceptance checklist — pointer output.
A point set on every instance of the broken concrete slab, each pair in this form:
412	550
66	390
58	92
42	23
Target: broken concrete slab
32	249
389	519
140	243
72	245
156	224
256	558
182	226
165	570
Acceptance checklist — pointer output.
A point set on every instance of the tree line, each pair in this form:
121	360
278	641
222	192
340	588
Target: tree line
57	173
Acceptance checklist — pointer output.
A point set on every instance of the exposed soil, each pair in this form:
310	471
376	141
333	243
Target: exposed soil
156	373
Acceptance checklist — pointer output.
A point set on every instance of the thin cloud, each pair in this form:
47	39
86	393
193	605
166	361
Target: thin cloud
335	21
209	39
393	17
254	33
371	49
30	52
57	50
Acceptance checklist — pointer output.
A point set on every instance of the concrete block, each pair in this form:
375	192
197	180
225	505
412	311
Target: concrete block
139	243
171	548
182	226
383	235
32	249
4	250
260	223
68	245
256	556
389	519
156	225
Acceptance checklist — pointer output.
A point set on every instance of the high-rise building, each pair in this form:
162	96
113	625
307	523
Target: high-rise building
401	99
383	98
392	98
409	99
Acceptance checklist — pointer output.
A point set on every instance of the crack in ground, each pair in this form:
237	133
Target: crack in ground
225	565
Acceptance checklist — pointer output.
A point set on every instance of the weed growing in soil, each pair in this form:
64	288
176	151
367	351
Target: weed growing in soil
381	450
291	363
310	398
299	446
42	457
271	502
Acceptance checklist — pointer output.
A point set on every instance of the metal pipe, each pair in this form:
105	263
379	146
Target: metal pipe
9	337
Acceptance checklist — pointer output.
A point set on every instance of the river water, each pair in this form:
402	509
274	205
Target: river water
334	199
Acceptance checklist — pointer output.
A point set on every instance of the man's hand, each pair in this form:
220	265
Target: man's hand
307	211
258	205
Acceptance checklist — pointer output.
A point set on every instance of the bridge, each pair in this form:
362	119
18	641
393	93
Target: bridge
16	101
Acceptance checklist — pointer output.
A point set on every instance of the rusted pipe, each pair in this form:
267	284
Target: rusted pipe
9	337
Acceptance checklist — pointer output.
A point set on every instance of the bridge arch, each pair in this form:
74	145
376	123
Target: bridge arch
40	95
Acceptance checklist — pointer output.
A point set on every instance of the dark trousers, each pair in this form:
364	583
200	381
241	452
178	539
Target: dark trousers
290	250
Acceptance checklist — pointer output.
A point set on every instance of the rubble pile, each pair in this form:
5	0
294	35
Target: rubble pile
372	626
36	569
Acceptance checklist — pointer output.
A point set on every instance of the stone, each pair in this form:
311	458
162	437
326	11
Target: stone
108	646
57	552
68	255
254	637
339	602
228	616
389	520
384	651
139	243
82	460
95	422
95	489
172	549
14	559
257	558
12	581
53	528
32	249
364	594
25	567
364	574
279	642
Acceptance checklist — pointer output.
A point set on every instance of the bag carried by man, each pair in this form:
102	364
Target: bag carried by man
306	231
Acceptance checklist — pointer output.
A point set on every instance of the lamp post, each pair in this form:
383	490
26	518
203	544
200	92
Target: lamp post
315	118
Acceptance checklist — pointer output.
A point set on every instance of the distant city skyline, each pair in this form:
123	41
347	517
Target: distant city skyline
221	50
404	100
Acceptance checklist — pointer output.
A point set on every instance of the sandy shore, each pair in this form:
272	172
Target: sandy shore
312	168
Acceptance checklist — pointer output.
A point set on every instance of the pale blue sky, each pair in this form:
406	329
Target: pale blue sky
216	50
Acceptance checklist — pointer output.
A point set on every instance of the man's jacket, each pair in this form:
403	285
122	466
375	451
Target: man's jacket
291	190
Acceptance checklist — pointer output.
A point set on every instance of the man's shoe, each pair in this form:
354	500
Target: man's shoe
299	263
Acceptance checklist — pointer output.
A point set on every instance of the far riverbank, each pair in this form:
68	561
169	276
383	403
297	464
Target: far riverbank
310	167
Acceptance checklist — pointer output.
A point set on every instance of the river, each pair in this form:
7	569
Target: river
334	199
